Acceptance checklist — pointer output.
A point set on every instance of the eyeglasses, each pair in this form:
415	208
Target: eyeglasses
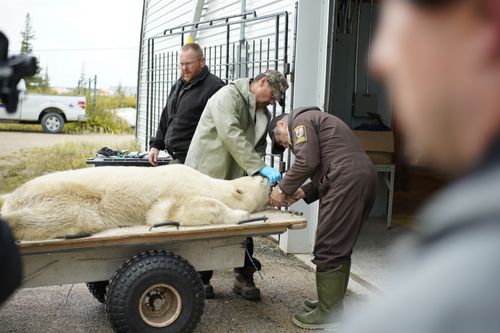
187	64
272	91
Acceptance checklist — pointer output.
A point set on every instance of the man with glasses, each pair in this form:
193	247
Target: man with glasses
181	114
184	106
230	142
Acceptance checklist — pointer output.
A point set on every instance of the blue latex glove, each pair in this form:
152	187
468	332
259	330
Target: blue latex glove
270	173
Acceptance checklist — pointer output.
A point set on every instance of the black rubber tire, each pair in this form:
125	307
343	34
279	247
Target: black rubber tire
98	290
52	122
142	273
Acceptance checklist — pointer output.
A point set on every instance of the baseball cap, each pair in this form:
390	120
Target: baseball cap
275	147
278	84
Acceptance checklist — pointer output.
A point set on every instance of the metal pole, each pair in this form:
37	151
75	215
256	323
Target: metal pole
292	76
94	101
369	48
228	35
148	66
276	43
151	85
242	59
356	58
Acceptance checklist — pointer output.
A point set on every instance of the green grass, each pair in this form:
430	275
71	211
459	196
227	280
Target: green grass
102	120
18	168
20	127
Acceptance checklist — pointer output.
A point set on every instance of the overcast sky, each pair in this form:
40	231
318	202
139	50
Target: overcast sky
102	35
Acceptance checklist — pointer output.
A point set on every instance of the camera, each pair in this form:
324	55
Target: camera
12	70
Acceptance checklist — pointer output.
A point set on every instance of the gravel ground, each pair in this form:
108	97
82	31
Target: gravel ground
287	281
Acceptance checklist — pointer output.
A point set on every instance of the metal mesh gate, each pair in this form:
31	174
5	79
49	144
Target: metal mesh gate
235	47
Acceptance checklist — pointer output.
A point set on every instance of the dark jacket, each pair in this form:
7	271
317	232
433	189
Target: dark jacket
182	112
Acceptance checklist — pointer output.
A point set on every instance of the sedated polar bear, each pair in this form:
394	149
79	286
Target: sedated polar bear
94	199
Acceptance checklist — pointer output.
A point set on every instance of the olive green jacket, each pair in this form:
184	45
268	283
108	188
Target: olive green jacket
224	144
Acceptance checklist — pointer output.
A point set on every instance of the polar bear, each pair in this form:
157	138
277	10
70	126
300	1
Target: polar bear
94	199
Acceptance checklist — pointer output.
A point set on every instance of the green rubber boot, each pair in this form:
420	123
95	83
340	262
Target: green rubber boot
327	314
310	304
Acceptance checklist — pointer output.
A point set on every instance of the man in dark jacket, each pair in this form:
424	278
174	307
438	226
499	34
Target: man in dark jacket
441	61
185	104
343	179
181	115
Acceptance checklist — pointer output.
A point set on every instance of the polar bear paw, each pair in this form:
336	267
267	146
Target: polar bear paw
236	215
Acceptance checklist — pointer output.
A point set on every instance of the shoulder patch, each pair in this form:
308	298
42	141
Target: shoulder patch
300	134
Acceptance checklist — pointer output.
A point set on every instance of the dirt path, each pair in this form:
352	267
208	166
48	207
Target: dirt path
11	142
286	283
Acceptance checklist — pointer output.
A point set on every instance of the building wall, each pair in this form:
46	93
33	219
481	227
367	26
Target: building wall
310	74
157	15
310	61
163	14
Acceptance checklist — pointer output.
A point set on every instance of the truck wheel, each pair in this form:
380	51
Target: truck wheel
98	289
155	291
52	122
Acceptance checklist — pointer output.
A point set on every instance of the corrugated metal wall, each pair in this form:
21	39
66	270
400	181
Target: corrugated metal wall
158	14
258	43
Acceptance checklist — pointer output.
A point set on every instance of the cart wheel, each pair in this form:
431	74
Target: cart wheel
98	289
155	291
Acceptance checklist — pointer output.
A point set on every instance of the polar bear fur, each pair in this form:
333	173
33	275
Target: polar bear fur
94	199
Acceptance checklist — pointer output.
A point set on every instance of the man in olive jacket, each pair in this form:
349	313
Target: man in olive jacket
184	106
230	142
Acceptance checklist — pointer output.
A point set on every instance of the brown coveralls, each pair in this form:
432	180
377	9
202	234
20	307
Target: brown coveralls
343	179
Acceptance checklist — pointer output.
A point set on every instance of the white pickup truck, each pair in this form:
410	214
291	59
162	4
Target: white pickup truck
51	111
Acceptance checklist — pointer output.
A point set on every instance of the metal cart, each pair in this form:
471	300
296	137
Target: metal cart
147	277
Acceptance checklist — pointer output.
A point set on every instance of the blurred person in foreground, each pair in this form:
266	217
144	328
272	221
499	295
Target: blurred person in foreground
441	62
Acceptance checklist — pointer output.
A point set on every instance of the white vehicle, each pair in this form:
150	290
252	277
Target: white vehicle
51	111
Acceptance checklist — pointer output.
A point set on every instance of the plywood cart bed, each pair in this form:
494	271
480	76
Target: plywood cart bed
148	278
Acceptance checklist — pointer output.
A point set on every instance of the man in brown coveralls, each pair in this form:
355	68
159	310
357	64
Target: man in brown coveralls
343	178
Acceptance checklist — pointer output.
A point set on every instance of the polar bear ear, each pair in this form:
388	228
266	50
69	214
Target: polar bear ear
238	193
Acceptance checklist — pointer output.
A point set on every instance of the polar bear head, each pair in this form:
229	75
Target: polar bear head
249	193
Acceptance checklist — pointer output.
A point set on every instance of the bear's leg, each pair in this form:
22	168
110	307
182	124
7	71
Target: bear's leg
193	211
38	223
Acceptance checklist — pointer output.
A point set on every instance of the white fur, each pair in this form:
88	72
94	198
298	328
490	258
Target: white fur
95	199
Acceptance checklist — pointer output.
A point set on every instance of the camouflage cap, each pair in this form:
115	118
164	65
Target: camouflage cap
278	84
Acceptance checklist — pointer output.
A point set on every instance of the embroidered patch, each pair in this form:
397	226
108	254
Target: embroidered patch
300	134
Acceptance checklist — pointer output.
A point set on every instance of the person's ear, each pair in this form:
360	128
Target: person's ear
262	81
